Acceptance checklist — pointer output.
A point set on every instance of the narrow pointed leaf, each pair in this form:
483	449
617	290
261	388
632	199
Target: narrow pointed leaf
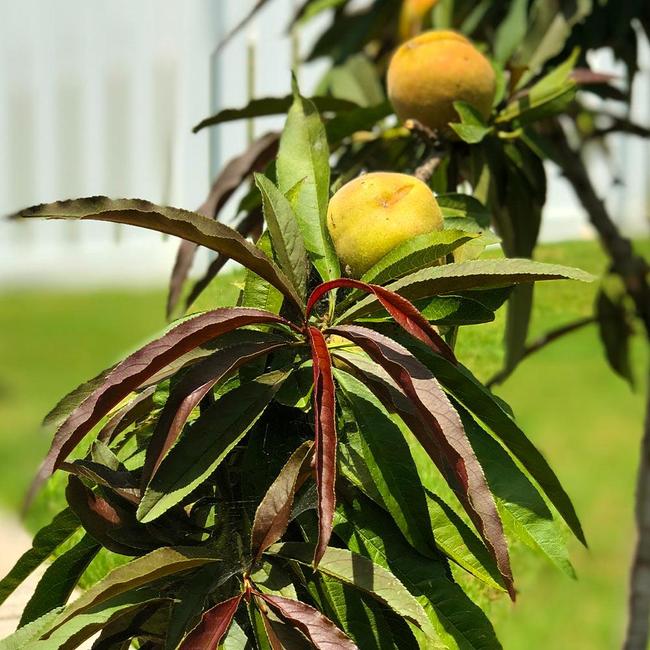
141	571
139	366
45	542
137	409
287	240
60	579
304	154
420	252
367	530
403	312
478	400
322	633
257	292
441	434
204	445
380	458
190	390
474	274
213	626
363	574
173	221
272	515
98	517
325	438
263	106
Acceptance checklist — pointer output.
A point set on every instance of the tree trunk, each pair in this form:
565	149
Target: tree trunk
636	637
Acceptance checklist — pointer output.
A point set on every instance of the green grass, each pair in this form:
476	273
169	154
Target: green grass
585	420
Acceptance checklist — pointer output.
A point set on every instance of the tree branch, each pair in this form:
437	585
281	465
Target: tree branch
633	269
540	343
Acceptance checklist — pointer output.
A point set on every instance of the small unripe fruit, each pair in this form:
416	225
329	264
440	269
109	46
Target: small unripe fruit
372	214
430	72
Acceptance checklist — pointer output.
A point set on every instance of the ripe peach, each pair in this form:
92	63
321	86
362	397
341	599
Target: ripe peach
428	73
374	213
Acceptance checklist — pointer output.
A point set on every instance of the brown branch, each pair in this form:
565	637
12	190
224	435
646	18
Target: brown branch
633	269
542	342
621	125
426	170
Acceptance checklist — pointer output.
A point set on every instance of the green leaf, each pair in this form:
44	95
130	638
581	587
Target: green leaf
272	106
362	574
511	30
202	446
475	274
356	614
172	221
379	461
420	252
358	119
472	128
357	81
24	636
60	579
464	205
454	310
257	292
287	241
271	579
45	542
304	154
549	96
615	321
551	22
490	412
367	530
75	631
158	564
522	509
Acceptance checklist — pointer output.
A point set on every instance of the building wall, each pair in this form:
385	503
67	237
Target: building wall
100	97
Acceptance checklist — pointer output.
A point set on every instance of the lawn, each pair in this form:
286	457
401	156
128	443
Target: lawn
585	420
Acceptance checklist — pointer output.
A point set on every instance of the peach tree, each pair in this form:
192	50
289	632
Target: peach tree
312	466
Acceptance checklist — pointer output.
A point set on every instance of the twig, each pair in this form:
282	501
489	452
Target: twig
621	125
542	342
426	170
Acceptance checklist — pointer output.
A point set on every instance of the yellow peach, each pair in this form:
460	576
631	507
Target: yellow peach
428	73
372	214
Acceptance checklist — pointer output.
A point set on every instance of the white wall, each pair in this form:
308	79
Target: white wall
99	97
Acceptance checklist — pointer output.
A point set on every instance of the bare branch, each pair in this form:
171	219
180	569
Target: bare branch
542	342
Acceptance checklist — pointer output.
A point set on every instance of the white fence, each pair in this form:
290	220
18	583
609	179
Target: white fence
99	98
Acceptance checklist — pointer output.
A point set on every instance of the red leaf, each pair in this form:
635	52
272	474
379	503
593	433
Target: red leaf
325	438
322	633
586	77
255	158
128	375
97	516
272	515
194	385
213	626
136	409
439	430
403	312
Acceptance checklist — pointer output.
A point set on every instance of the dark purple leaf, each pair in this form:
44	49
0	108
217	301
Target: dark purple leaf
272	515
322	633
172	221
255	158
440	431
403	312
325	438
135	410
213	626
128	375
194	385
98	516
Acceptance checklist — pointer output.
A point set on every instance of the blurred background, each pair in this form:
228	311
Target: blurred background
100	98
